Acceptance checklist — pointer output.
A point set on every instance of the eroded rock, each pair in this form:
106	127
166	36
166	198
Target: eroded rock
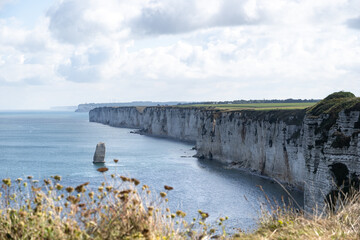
99	155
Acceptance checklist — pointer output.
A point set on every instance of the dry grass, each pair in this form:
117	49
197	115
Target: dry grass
122	208
286	223
118	209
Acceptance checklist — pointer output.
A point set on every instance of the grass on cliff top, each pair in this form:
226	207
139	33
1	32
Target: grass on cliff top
123	209
254	106
334	103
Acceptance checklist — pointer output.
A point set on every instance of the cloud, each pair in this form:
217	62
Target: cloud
353	23
79	69
80	21
175	16
68	22
85	21
97	51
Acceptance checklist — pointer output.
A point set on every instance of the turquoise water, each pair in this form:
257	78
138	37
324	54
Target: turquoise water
42	144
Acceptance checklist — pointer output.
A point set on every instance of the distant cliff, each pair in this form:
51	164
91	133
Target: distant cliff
317	149
86	107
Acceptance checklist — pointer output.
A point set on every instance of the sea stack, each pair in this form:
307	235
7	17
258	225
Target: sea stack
99	155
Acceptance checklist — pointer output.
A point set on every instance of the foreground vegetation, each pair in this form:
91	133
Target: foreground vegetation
122	208
255	106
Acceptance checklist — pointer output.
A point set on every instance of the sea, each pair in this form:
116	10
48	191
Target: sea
46	143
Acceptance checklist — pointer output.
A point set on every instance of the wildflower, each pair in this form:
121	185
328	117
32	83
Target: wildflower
100	189
47	181
135	181
103	169
204	215
112	175
145	187
162	194
125	179
19	180
57	178
180	213
124	197
58	209
69	189
73	200
34	189
81	205
168	188
125	191
58	186
109	188
80	188
91	195
29	177
116	160
22	213
7	181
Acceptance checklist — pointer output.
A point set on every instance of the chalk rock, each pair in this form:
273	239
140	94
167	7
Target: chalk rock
99	156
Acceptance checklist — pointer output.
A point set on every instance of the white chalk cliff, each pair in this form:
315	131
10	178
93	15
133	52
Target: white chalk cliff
284	144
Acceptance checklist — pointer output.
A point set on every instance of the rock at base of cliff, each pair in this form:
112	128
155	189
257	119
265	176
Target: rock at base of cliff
99	156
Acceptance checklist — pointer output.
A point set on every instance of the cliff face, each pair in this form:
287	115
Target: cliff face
320	154
268	143
332	156
177	123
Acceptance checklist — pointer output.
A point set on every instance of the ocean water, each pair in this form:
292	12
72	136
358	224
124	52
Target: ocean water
42	144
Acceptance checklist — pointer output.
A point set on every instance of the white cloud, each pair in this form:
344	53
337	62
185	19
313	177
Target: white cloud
354	23
96	51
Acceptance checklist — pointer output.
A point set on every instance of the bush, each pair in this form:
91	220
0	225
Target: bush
340	94
334	103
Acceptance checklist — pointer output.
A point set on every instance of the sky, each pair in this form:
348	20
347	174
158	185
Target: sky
67	52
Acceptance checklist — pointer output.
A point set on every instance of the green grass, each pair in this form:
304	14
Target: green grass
334	103
255	106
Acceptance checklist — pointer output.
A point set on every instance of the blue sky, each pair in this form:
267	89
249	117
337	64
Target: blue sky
66	52
27	12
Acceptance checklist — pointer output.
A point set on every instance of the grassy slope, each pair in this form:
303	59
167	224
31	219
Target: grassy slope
254	106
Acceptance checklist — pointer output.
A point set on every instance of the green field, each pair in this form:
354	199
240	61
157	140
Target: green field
255	106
